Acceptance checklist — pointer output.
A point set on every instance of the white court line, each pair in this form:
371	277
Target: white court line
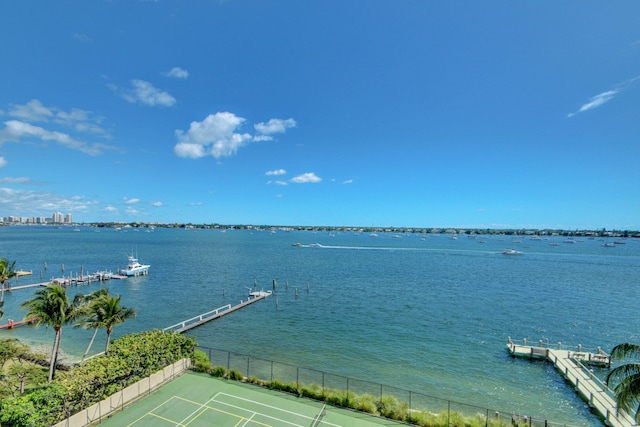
249	419
276	408
202	406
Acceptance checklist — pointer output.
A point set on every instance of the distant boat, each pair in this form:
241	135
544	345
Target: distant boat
608	245
511	252
297	244
554	244
134	268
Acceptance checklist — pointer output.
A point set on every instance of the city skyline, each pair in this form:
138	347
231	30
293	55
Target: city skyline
408	114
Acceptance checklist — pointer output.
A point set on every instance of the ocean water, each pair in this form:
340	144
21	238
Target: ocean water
420	312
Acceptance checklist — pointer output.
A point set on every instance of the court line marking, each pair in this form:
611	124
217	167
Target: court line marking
202	406
277	408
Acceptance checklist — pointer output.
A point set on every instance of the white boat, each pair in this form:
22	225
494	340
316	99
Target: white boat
511	252
134	268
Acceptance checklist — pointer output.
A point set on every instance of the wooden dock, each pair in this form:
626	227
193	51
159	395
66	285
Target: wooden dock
203	318
12	324
86	279
573	365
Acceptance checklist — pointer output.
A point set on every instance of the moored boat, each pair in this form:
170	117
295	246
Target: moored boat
134	268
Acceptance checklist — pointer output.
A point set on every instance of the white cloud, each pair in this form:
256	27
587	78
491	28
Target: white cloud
177	73
348	181
40	203
32	111
143	92
3	162
77	119
274	126
596	101
309	177
606	96
10	180
156	204
131	201
111	209
276	172
131	211
215	136
16	130
277	182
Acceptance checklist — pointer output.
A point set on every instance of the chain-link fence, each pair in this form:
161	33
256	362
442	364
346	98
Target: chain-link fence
394	402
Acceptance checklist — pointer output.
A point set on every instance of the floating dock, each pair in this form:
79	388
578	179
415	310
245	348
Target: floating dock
203	318
573	367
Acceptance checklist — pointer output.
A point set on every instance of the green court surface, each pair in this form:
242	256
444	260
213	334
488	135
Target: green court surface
198	400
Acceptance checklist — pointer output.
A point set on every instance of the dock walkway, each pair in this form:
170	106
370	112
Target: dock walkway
573	367
203	318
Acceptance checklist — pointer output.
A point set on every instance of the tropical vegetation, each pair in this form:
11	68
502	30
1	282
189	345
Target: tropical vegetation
50	306
7	271
130	359
624	380
102	310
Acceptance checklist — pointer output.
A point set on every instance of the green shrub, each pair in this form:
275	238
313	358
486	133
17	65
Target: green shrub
235	375
201	362
219	371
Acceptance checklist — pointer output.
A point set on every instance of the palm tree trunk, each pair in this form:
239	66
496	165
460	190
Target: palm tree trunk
95	332
54	352
109	329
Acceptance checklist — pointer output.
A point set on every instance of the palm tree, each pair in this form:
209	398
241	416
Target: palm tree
91	318
50	306
7	271
111	314
624	380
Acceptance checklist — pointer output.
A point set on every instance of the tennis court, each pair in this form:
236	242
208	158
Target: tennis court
198	400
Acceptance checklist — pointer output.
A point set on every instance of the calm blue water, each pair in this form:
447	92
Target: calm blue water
429	314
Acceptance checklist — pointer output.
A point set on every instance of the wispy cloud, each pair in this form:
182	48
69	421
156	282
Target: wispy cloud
604	97
219	135
277	182
3	162
177	73
309	177
143	92
156	204
20	180
41	203
273	126
131	201
276	172
17	131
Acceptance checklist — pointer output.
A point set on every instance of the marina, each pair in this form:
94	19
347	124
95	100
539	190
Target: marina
573	366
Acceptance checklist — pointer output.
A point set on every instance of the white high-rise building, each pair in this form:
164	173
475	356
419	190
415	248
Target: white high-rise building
68	219
58	218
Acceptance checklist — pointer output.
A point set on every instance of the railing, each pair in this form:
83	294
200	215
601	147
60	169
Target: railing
559	346
199	317
268	370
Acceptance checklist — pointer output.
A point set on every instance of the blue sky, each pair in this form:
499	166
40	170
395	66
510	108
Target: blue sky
493	114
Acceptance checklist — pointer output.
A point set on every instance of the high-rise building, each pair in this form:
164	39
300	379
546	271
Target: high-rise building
68	219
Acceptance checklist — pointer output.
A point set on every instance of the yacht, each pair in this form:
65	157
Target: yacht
134	268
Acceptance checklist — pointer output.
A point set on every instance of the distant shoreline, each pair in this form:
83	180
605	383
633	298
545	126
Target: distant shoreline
588	233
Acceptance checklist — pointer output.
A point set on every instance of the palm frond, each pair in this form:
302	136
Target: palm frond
625	350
